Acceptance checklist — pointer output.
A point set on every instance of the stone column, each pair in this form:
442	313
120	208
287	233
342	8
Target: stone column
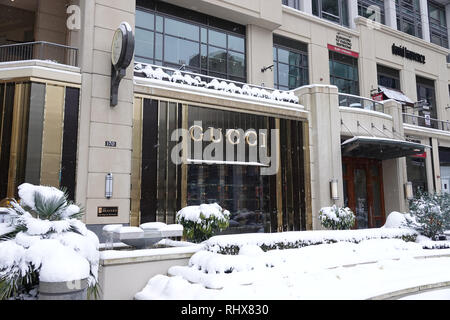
424	20
99	122
436	165
306	6
390	14
394	170
352	12
325	145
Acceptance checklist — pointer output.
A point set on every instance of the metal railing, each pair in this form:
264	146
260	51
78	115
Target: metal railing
352	101
426	122
39	50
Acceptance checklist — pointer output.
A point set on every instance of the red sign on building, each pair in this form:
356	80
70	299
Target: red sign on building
378	96
343	51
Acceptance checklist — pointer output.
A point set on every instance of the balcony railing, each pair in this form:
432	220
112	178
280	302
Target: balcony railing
352	101
426	122
39	50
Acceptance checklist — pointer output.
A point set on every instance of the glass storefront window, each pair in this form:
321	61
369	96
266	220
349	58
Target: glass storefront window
344	73
202	48
426	93
332	10
444	162
438	24
290	63
292	3
388	77
409	17
235	181
416	172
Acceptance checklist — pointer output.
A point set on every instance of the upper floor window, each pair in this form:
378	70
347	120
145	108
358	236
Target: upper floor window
388	77
203	48
332	10
344	73
290	59
438	24
372	9
292	3
408	17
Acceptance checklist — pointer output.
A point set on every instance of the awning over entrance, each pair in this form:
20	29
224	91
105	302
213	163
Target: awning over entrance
380	148
396	95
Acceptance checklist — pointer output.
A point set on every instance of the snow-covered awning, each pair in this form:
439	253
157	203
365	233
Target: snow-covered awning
396	95
380	148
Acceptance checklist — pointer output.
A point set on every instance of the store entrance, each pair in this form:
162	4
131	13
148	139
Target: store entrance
260	197
363	191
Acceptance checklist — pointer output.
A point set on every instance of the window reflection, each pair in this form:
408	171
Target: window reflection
172	42
290	64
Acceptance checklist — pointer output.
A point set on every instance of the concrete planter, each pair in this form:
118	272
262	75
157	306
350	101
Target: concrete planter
68	290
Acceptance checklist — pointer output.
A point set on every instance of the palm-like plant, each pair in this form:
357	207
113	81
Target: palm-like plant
42	213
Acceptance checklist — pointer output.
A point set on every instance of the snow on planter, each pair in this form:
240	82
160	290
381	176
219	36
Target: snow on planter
42	235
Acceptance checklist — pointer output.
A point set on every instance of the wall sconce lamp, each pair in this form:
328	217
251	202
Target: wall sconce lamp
334	189
108	186
409	194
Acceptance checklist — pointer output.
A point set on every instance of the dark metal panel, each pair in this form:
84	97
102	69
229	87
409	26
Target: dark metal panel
6	126
70	141
149	160
35	129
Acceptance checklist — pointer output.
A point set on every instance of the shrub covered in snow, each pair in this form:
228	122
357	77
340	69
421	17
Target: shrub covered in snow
231	244
203	221
430	214
42	239
336	218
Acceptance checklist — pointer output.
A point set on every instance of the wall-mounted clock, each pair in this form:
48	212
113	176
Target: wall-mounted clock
122	50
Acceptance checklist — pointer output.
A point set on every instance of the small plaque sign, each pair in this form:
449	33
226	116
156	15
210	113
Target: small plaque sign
107	211
111	144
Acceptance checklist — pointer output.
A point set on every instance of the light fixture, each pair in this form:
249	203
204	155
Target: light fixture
334	189
409	194
264	69
108	186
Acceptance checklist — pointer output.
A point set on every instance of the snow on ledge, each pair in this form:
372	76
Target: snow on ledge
217	85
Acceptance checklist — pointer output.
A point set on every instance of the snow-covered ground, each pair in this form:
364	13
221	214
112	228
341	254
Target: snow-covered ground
342	270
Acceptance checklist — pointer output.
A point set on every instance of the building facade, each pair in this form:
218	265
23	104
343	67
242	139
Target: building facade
285	107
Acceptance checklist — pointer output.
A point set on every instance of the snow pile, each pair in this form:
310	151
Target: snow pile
397	220
232	243
43	235
327	271
215	84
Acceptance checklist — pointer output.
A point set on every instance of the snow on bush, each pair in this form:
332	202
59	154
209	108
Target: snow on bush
337	218
430	214
203	221
42	239
231	244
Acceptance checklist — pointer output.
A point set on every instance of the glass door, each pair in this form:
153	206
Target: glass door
363	191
